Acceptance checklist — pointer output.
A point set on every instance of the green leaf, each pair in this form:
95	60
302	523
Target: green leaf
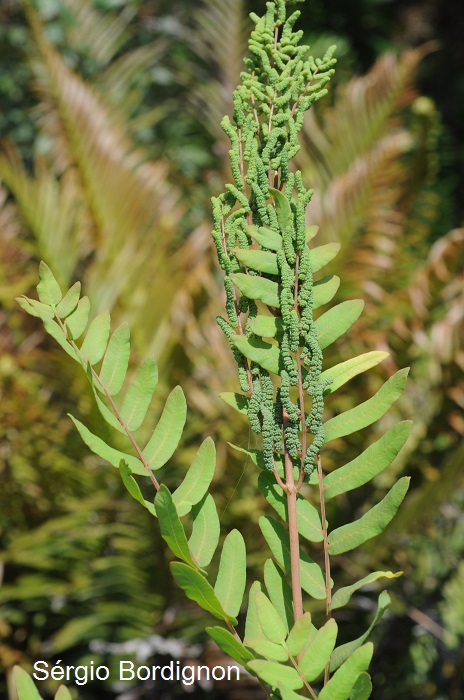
35	308
230	645
257	288
369	411
283	209
372	523
25	685
63	693
268	649
341	684
343	595
279	592
325	290
96	339
344	651
277	537
362	689
266	326
345	371
318	651
171	528
323	254
133	487
337	320
273	673
138	398
237	401
311	232
197	479
231	578
205	531
271	623
371	462
69	302
252	626
116	360
265	237
168	431
300	635
56	332
309	522
105	411
259	260
77	321
264	354
100	448
48	288
197	588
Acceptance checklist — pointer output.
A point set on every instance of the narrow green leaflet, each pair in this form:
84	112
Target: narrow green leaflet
35	308
265	237
197	479
344	651
273	673
309	521
266	326
25	685
76	322
252	626
283	210
237	401
171	528
279	592
323	254
325	290
133	487
369	411
55	331
362	689
69	302
231	578
272	625
371	462
168	431
341	684
205	531
197	588
111	455
343	595
138	398
372	523
104	410
288	694
344	371
96	339
230	645
267	649
312	578
311	232
63	693
318	651
337	320
48	288
300	635
116	360
259	260
264	354
257	288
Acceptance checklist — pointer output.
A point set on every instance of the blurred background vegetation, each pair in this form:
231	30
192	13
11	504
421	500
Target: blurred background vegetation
110	151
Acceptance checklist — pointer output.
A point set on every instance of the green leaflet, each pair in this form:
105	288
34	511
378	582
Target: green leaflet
337	320
362	689
283	210
266	326
344	651
76	322
265	237
257	288
35	308
197	588
300	635
273	673
104	410
55	331
168	431
341	684
287	693
312	578
371	462
237	401
116	360
311	232
230	645
343	595
257	458
111	455
325	290
231	578
205	531
138	398
279	592
271	623
267	649
369	411
309	522
344	371
171	528
133	487
372	523
48	288
318	652
323	254
63	693
256	350
259	260
197	479
69	301
96	339
252	626
25	685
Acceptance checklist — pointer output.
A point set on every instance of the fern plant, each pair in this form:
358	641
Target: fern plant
272	292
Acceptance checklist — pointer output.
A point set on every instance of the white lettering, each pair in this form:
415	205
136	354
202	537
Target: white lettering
123	671
41	667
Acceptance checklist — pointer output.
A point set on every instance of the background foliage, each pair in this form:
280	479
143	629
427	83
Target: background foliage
111	148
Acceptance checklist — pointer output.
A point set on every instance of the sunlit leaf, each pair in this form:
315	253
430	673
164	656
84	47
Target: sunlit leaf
260	288
230	645
138	398
279	592
362	689
25	685
283	210
271	623
69	302
318	651
116	360
343	595
265	237
48	288
325	290
237	401
205	530
171	527
337	320
96	339
323	254
259	260
344	371
133	487
198	478
197	588
264	354
273	673
300	635
76	322
341	684
231	578
309	521
168	431
266	326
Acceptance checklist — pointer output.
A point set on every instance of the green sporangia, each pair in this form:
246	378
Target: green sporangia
272	288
